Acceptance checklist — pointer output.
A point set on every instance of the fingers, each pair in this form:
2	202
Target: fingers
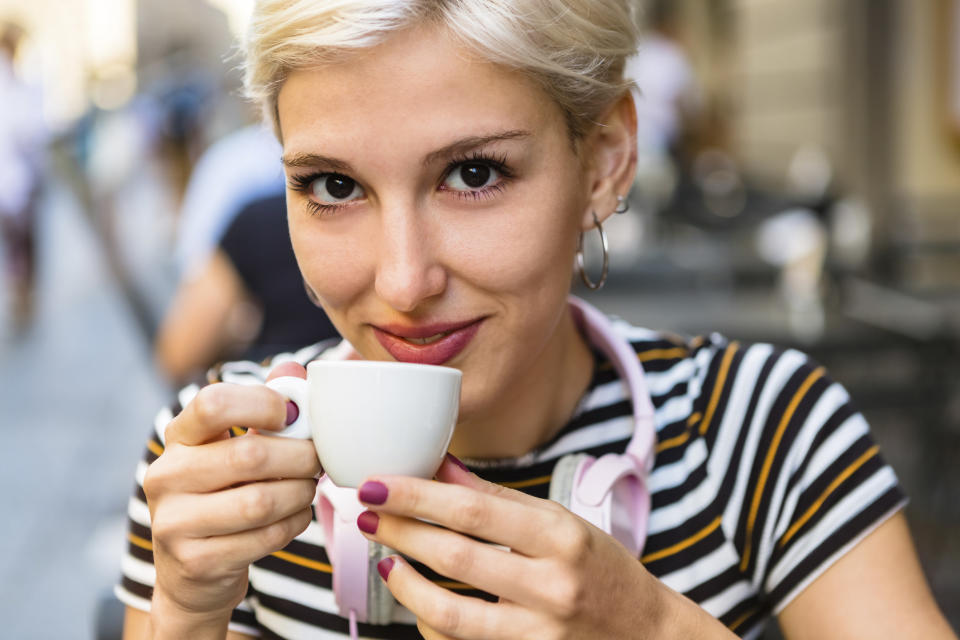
236	510
217	503
430	634
453	471
511	576
451	615
220	406
519	525
229	462
293	369
200	559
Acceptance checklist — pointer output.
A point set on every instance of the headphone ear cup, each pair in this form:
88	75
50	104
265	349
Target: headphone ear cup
380	600
564	478
347	548
629	513
608	492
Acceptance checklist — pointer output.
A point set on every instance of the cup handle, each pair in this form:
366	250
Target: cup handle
294	389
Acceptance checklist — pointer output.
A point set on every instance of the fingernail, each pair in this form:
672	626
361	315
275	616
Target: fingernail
368	522
373	492
384	567
293	412
455	460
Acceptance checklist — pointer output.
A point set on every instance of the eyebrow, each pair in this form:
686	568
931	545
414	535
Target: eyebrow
316	161
458	147
473	142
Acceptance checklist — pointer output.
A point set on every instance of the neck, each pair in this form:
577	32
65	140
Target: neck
533	412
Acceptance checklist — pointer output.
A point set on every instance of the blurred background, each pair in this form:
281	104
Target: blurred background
799	182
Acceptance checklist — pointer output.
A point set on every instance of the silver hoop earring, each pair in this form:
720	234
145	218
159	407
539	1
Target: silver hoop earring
606	258
623	205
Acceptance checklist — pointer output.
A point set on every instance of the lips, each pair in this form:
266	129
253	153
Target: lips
427	344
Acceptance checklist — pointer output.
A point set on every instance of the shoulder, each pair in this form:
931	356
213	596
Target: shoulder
701	383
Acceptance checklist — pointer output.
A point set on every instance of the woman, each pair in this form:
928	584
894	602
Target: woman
443	160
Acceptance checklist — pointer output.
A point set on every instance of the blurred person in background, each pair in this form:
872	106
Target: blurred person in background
240	295
240	167
669	93
22	142
668	100
187	94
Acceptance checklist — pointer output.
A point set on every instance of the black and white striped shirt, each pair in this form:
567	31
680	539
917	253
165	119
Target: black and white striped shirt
765	474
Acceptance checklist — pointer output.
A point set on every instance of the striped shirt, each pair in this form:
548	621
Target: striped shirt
764	476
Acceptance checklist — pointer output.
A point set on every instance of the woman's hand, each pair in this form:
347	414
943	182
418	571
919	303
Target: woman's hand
561	577
218	503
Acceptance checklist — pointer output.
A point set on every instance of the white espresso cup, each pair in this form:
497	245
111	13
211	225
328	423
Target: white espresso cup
370	418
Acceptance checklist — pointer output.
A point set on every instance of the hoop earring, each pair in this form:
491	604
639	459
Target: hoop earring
623	205
606	258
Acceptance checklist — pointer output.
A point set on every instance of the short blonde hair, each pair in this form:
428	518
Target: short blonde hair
574	49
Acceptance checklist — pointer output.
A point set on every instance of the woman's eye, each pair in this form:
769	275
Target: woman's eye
334	188
471	176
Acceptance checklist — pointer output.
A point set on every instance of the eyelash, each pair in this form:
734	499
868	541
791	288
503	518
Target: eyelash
301	184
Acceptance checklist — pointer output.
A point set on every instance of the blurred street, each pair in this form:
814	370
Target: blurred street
78	396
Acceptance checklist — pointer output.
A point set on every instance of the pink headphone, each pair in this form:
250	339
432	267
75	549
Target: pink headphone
610	492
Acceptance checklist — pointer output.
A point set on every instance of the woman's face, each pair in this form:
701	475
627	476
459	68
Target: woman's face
434	205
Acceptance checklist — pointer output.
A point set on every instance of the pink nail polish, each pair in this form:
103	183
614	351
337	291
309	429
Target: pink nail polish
384	567
373	492
293	412
368	522
455	460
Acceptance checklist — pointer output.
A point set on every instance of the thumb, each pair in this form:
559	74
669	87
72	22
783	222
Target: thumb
293	370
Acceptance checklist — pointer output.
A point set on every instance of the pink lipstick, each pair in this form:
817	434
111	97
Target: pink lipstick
427	344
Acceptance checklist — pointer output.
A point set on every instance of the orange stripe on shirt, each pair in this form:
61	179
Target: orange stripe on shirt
154	447
137	541
849	471
718	387
303	562
739	621
663	354
684	544
768	461
529	482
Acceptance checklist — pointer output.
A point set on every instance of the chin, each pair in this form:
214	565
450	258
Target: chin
476	397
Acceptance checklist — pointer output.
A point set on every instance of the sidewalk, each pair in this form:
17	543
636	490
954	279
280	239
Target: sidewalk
77	398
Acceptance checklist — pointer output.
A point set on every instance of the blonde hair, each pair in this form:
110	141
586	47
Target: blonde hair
574	49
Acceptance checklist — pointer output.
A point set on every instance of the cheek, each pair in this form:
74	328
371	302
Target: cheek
336	267
517	255
529	244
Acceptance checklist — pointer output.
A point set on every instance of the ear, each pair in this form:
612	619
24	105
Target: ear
611	159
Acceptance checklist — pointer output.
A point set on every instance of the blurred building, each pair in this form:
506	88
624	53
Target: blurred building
871	86
135	90
102	52
859	99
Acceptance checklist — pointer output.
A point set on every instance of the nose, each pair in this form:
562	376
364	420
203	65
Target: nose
409	270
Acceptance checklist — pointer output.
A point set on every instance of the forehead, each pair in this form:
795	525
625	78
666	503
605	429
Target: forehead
417	85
